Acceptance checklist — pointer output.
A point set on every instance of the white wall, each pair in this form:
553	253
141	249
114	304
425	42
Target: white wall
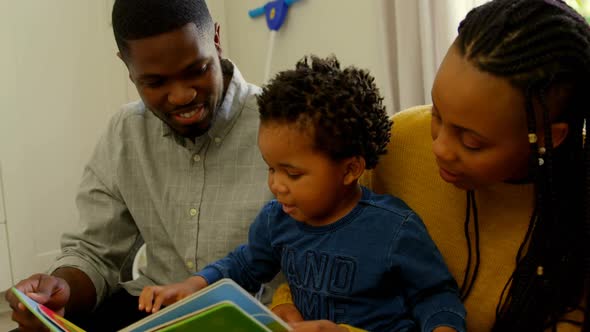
60	82
350	29
5	270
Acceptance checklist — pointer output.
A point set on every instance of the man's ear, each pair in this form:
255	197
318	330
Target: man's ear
354	168
559	132
217	39
120	56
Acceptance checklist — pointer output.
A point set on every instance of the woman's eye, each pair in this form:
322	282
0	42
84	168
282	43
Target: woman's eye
472	146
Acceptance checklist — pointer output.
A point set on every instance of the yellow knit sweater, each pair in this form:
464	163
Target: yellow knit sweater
409	171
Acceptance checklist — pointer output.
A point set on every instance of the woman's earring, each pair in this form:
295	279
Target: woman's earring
542	151
532	138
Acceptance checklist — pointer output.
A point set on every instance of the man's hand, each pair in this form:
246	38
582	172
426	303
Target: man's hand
153	297
317	326
53	292
288	312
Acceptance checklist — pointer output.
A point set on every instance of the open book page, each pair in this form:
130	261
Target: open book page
223	290
224	316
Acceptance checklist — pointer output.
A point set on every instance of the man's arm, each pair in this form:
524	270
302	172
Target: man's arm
94	254
82	292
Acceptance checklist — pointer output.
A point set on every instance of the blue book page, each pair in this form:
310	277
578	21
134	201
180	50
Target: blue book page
223	290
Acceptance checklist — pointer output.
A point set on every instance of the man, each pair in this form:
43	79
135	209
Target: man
179	170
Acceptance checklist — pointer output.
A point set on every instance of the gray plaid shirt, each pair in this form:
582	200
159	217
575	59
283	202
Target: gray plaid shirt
192	203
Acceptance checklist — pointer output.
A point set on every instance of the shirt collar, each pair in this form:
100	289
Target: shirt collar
231	106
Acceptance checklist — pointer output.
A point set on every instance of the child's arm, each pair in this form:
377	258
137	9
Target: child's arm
153	297
430	290
249	265
254	263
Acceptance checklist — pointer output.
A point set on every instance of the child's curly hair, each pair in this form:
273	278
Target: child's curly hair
342	106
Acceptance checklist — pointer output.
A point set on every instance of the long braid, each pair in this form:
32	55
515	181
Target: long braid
539	45
586	326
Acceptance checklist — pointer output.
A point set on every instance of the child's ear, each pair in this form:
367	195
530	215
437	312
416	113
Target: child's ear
355	166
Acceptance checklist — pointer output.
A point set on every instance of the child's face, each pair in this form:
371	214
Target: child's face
478	126
306	182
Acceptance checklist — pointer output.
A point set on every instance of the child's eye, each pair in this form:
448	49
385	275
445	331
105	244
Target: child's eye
294	176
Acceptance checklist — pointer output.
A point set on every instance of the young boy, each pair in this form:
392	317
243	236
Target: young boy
349	255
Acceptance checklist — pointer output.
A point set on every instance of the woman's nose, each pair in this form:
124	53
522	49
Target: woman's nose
442	146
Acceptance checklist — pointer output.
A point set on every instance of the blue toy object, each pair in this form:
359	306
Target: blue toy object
275	12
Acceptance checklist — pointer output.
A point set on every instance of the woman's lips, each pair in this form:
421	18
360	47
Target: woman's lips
447	175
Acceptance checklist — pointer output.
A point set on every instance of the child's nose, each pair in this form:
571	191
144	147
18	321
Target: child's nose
277	187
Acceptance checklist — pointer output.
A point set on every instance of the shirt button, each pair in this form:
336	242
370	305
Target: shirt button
190	264
217	140
196	157
193	212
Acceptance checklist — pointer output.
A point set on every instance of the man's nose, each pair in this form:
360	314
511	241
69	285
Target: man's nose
181	95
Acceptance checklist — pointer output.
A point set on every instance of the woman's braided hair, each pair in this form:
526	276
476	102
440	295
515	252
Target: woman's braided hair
539	45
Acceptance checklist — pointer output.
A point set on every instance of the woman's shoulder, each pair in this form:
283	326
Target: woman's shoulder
411	126
416	115
409	154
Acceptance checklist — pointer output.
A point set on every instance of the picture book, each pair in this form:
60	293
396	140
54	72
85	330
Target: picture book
224	316
222	306
224	301
53	321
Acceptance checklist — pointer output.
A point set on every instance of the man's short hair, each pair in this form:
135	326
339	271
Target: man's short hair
136	19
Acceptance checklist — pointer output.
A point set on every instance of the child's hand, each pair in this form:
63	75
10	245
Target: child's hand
288	312
317	326
444	329
153	297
